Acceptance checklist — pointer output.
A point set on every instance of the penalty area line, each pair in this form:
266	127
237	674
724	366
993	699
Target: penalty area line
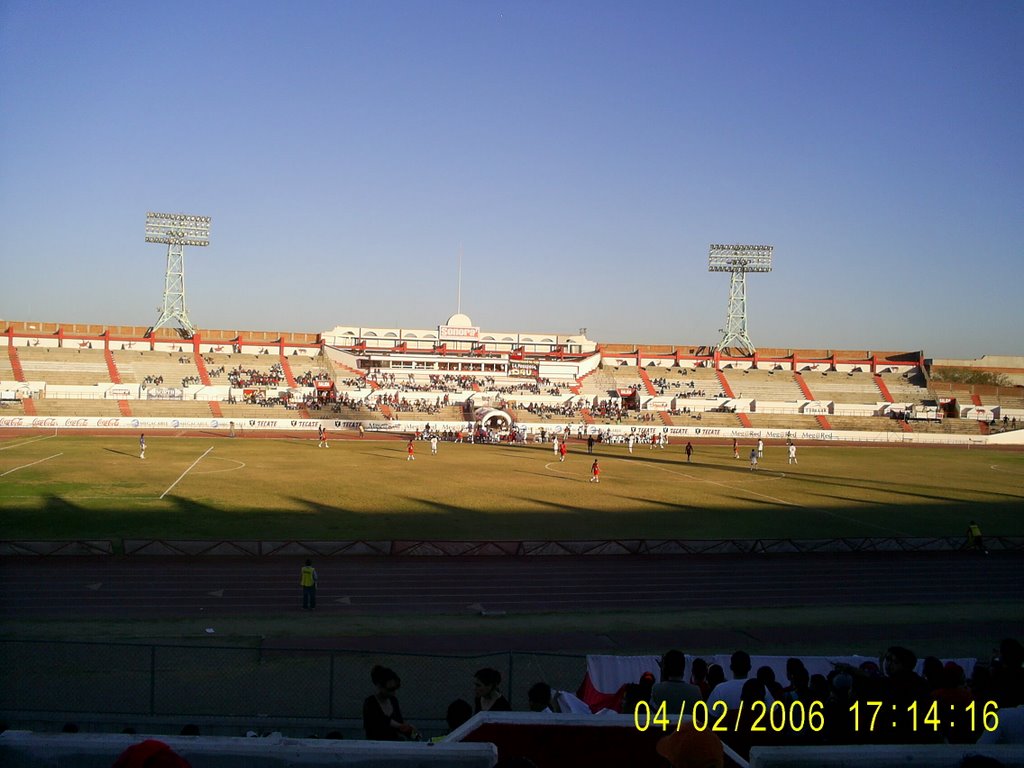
26	442
31	465
182	475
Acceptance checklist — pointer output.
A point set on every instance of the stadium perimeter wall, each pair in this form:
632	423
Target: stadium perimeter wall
222	425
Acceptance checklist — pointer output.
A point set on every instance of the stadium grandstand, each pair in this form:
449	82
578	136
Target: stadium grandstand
456	378
397	379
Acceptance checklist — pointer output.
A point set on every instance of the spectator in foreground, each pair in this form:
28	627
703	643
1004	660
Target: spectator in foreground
690	748
488	697
382	716
150	754
673	690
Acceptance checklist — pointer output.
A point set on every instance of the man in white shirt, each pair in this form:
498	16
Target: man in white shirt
730	690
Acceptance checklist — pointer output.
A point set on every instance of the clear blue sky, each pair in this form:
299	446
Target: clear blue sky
582	154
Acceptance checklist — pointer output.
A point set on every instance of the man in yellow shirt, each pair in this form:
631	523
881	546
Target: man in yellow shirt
308	582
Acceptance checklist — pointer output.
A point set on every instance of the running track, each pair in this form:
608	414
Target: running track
172	587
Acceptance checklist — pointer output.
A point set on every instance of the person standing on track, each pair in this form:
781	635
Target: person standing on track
689	451
735	448
307	581
142	445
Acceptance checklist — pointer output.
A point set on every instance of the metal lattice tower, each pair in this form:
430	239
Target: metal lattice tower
738	260
176	230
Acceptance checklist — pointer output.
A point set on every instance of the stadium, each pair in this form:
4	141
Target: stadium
490	506
460	450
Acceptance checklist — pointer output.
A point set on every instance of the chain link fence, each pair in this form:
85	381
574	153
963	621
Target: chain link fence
307	688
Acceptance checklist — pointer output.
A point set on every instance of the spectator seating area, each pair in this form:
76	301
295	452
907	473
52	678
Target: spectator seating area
771	386
63	365
842	387
260	388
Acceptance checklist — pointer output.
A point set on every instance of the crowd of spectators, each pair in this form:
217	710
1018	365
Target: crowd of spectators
250	377
455	383
569	408
309	379
844	700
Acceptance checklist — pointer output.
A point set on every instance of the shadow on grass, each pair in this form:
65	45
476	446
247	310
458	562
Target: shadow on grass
122	453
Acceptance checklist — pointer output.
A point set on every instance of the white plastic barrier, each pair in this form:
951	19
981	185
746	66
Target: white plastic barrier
22	749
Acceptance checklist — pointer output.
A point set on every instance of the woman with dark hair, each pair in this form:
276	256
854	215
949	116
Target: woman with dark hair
382	716
487	697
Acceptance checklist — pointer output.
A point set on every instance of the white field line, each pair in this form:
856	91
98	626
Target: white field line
182	475
26	442
241	465
32	464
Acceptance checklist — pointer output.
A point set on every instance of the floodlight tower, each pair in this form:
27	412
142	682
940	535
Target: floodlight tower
176	230
737	260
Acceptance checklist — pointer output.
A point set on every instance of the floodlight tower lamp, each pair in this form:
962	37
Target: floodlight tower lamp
176	230
737	260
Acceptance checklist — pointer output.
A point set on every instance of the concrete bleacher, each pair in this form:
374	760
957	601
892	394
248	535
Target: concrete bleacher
444	413
906	389
345	413
676	382
523	415
175	409
864	423
49	406
707	419
702	378
134	366
240	411
230	361
6	371
948	426
773	386
11	408
783	421
1007	397
70	366
603	381
843	387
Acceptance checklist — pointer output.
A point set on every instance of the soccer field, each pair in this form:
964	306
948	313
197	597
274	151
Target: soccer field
70	487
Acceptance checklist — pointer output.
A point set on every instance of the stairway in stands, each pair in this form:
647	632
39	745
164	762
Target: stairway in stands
587	418
805	388
880	383
204	377
115	377
666	419
648	384
744	419
27	404
289	378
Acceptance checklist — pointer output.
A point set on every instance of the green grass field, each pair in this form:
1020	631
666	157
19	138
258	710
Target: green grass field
69	487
